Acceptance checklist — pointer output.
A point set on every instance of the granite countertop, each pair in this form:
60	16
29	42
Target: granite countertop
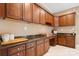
66	34
19	40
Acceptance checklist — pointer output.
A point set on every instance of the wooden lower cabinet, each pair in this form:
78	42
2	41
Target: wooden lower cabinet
3	51
31	51
46	45
33	48
0	52
53	41
70	42
40	49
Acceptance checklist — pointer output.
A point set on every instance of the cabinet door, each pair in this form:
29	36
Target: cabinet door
52	20
49	19
62	20
71	19
42	16
31	51
0	52
70	42
36	13
40	49
27	12
2	10
14	10
61	41
46	45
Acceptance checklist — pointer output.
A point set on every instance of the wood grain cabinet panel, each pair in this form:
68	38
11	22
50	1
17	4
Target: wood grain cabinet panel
61	40
14	10
0	52
31	51
31	48
2	10
62	20
67	20
15	49
36	13
70	42
71	19
42	16
49	19
27	12
46	45
40	48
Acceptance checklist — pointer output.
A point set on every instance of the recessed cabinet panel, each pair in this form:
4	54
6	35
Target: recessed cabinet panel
14	10
31	51
42	16
49	19
70	42
46	45
40	49
36	13
62	21
2	10
27	12
71	19
61	40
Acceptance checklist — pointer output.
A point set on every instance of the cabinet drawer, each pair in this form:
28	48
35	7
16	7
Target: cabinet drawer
22	53
40	41
30	44
15	49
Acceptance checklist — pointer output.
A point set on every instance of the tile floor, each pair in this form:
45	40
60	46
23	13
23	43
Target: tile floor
62	51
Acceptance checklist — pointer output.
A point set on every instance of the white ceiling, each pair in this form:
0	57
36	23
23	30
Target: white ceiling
58	7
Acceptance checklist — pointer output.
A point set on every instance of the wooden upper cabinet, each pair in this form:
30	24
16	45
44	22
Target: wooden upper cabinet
71	19
49	19
2	10
67	20
27	12
62	20
14	10
36	13
42	16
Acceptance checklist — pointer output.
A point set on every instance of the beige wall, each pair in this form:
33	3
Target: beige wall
22	28
69	29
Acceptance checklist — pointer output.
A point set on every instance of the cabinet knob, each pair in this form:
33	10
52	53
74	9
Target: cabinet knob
18	48
18	54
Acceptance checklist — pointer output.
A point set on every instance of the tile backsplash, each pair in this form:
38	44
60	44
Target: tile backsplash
22	28
68	29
